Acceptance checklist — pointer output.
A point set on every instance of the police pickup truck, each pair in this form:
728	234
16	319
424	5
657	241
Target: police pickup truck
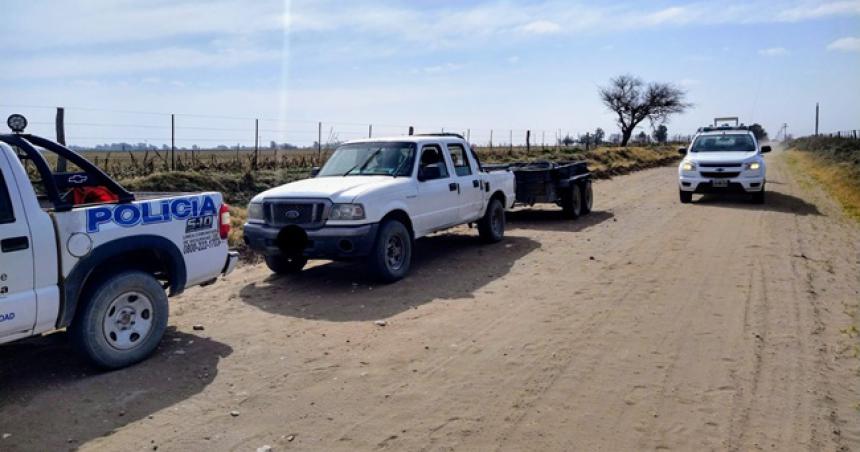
78	251
723	158
373	198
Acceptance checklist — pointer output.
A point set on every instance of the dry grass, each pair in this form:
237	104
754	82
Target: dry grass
834	163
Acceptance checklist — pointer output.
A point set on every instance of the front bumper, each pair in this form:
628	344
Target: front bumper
341	242
698	184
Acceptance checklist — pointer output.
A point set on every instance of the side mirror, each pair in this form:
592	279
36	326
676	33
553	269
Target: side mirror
314	171
765	149
682	151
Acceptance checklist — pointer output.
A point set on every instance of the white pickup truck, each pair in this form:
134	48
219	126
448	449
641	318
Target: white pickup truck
723	159
373	198
78	251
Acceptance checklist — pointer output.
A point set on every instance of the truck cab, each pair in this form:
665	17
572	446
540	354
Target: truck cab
78	251
723	159
373	198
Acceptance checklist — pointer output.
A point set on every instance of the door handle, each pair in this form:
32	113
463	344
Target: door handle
14	244
475	183
453	186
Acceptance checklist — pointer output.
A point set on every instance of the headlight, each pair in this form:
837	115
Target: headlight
256	213
688	166
346	212
753	166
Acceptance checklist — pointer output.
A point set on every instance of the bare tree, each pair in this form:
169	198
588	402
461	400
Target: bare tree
634	101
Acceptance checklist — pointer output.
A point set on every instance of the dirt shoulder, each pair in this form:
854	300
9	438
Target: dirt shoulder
646	325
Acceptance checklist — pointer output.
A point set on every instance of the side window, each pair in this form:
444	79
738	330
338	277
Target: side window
6	213
432	164
461	159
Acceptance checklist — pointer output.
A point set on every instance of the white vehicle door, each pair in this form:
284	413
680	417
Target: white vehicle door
17	296
438	201
469	184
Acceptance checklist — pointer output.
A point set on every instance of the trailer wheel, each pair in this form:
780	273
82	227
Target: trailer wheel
571	203
123	320
391	256
285	265
587	197
491	227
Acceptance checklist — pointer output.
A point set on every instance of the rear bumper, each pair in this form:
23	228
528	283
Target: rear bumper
735	185
230	265
325	243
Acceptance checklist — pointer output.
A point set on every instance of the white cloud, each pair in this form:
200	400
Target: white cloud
846	44
774	52
811	10
540	27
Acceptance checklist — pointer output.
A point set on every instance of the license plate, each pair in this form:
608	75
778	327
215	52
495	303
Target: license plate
720	183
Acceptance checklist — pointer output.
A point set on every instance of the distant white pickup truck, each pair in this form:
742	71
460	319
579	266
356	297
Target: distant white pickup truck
723	159
77	250
373	198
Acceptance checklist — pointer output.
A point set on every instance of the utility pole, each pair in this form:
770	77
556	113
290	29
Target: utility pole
511	141
61	137
370	131
319	141
816	119
528	141
491	139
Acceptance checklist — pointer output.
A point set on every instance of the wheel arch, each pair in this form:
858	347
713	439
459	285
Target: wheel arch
150	254
401	216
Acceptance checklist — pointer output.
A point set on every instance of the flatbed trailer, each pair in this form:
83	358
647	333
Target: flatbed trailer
566	184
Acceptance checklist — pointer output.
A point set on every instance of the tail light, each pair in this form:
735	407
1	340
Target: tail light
224	221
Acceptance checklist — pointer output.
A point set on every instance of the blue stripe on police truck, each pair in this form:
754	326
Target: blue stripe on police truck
129	215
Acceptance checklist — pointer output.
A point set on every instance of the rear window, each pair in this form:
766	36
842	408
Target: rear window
735	142
6	213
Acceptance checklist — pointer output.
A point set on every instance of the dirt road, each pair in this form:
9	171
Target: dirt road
647	325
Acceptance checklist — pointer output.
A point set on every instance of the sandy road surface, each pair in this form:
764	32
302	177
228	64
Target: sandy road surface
647	325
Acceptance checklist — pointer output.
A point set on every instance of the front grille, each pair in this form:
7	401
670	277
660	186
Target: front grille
298	213
720	175
720	165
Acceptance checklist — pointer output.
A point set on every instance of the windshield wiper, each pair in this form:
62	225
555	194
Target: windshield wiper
363	164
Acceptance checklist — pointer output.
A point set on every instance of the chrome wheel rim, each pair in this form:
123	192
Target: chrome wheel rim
395	252
128	321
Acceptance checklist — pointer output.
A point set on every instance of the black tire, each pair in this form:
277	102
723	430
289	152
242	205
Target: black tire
758	197
285	265
491	227
587	197
391	256
571	203
121	320
686	196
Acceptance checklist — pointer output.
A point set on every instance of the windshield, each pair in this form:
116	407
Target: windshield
724	143
383	158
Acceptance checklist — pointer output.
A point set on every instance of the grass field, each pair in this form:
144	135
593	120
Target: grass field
835	164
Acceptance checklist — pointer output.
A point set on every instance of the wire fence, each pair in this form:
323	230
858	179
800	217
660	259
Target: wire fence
140	142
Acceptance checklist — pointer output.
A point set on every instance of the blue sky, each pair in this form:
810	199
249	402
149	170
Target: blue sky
476	65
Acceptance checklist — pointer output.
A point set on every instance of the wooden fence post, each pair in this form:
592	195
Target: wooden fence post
528	141
61	137
172	142
256	142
